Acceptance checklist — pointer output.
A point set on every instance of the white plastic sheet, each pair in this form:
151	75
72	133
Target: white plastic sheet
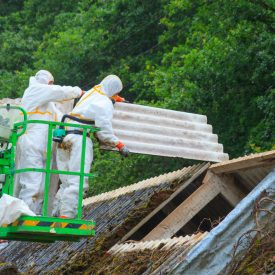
12	208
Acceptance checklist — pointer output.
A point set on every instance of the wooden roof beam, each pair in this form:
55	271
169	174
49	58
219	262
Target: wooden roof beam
186	210
211	187
261	159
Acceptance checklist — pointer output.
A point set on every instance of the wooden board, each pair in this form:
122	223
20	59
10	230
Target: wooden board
261	159
166	202
186	210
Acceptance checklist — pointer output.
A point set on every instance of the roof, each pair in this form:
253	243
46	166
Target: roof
162	244
114	217
232	237
125	217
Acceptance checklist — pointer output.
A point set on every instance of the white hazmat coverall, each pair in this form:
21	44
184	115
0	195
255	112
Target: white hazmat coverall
38	101
94	105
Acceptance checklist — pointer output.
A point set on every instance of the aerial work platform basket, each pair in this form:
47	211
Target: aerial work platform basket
44	228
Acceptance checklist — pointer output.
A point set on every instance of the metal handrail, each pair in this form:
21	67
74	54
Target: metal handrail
21	127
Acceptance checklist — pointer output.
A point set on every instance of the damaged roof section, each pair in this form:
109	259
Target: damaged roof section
162	244
215	191
144	257
247	171
231	239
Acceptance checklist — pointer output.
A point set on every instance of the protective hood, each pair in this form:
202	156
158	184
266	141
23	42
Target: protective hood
111	85
44	77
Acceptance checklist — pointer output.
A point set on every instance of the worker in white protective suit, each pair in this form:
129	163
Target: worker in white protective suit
38	100
95	105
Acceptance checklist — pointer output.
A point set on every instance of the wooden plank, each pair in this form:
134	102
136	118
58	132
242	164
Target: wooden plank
166	202
230	190
261	159
186	210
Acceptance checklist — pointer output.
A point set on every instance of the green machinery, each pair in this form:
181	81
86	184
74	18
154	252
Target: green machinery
40	228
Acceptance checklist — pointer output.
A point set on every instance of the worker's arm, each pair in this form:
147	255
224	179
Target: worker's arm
43	93
59	93
103	120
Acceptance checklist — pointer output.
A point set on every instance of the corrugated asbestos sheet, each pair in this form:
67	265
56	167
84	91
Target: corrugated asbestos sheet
161	132
148	257
163	244
109	215
155	131
15	101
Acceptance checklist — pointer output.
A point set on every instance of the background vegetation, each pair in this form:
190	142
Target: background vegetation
213	57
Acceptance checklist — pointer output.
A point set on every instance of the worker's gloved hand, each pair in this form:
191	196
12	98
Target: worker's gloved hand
116	98
123	150
80	92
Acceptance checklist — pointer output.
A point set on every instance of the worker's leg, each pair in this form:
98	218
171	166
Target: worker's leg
62	159
40	198
31	156
69	200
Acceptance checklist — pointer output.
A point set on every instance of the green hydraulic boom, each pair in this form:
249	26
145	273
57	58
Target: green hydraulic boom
40	228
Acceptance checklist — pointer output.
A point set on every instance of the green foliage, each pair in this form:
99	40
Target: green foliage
262	135
210	57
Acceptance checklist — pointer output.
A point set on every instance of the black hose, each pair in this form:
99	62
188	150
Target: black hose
84	121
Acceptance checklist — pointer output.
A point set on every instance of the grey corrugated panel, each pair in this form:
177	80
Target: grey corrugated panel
213	253
173	151
15	101
160	112
172	141
155	131
162	244
167	121
250	177
176	256
245	179
136	127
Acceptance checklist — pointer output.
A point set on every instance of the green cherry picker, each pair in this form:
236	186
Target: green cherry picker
39	228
